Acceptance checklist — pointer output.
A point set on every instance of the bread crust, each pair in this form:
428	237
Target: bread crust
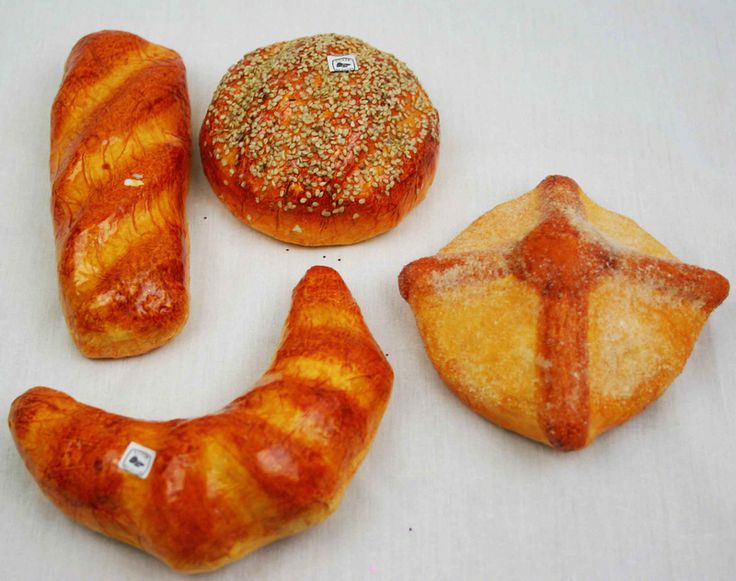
271	463
316	158
556	318
120	159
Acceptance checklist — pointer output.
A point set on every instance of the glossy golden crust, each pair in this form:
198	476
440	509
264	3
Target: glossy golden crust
317	158
120	158
556	318
271	463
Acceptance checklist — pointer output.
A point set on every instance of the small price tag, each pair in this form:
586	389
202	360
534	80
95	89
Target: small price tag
339	63
138	460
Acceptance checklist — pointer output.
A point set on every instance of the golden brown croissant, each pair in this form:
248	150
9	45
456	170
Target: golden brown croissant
314	156
120	157
273	462
556	318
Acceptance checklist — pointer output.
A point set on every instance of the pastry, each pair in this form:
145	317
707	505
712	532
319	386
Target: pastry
200	493
556	318
320	140
120	157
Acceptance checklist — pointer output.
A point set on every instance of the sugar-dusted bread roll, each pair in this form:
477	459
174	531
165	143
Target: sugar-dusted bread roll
311	150
120	158
200	493
556	318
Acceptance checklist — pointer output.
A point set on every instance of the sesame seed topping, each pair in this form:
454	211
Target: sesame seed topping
295	132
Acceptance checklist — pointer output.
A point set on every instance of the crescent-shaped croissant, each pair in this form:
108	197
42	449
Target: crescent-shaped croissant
556	318
200	493
120	157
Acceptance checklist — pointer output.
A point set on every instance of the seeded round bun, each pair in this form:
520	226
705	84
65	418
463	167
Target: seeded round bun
315	157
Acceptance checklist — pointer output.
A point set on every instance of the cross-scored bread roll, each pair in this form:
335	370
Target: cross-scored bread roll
318	157
556	318
120	158
270	464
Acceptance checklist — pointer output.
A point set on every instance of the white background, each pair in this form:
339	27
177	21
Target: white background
635	100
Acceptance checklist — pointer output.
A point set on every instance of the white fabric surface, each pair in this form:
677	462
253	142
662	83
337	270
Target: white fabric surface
635	100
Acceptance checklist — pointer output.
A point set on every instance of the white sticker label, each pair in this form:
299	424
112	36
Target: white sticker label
137	460
339	63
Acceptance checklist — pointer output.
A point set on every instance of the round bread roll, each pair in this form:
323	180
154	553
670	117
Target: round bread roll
316	157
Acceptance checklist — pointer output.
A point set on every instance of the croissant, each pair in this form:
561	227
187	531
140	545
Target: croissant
200	493
556	318
120	157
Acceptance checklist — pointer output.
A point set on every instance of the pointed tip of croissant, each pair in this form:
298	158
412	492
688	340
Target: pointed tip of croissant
30	399
323	287
321	271
35	402
320	282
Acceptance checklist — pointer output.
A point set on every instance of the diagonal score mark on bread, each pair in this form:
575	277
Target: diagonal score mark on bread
101	164
271	463
556	318
94	72
120	158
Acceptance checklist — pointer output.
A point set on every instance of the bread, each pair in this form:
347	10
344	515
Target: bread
273	462
556	318
314	157
120	158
